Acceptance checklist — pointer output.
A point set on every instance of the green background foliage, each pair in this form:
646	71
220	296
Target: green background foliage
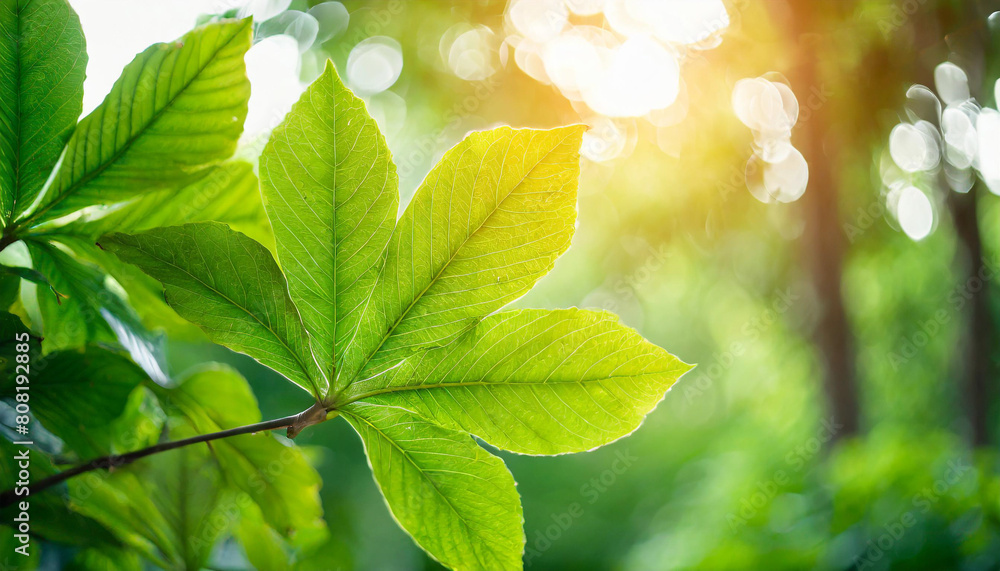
740	467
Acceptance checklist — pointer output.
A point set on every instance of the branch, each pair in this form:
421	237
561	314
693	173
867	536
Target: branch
294	423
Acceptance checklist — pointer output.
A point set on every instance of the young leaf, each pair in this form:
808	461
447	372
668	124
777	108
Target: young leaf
534	381
457	500
232	288
330	190
42	64
489	221
176	108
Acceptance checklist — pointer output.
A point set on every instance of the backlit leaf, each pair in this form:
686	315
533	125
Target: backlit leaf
330	189
457	500
231	287
488	221
534	381
42	64
176	108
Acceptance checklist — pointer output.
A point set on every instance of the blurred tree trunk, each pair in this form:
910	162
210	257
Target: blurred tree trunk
975	44
824	240
975	342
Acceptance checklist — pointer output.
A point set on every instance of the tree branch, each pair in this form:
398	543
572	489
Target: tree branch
294	423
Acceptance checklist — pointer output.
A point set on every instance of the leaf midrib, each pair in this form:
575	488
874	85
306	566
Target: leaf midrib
87	178
397	389
447	264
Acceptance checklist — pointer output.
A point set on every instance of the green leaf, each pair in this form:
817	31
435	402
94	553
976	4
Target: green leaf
172	507
264	547
74	317
330	190
10	289
42	63
176	108
231	287
227	193
77	394
457	500
489	221
534	381
218	398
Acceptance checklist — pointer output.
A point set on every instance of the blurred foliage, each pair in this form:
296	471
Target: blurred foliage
740	467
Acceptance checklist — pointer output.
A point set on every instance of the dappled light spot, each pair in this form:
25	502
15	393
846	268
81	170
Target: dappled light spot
958	123
273	69
332	18
914	213
298	25
538	20
473	54
781	181
952	83
913	147
989	149
641	76
262	10
374	64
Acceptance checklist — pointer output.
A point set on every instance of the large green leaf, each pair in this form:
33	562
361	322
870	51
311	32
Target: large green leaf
227	193
176	108
231	287
534	381
276	476
42	63
489	221
330	190
457	500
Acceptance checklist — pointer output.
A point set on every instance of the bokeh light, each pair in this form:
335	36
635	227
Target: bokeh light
374	64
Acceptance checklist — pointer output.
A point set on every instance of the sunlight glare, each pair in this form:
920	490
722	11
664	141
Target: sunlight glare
374	64
914	213
273	70
952	83
642	76
989	148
